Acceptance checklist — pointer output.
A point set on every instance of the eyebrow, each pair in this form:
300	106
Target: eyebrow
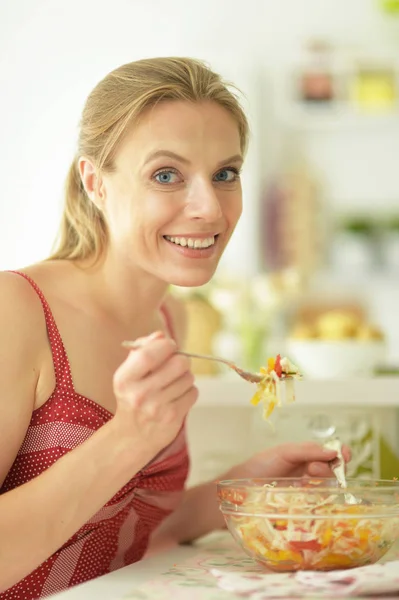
168	154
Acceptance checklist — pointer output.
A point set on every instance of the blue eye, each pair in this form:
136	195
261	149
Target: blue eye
227	175
166	177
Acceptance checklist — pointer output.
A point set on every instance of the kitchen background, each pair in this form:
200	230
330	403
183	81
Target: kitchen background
313	268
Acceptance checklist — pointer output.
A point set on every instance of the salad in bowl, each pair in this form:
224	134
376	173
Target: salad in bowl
293	524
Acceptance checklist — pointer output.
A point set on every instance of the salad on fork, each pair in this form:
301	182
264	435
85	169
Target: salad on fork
277	382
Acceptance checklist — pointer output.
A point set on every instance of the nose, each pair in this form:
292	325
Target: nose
203	202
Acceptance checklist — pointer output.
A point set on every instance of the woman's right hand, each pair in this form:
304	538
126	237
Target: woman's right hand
154	389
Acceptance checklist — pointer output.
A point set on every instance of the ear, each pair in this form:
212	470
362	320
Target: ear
92	181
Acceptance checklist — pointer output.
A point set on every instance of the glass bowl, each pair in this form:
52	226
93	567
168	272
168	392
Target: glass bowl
294	524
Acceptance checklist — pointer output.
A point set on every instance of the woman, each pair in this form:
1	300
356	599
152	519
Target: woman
93	455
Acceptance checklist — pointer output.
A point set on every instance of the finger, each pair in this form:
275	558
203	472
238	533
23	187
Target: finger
182	405
306	452
141	341
170	412
319	469
287	459
346	453
142	361
155	403
172	369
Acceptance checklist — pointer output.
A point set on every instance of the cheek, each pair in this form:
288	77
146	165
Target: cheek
128	214
118	205
121	219
160	209
233	209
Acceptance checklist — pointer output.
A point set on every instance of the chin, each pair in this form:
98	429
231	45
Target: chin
185	278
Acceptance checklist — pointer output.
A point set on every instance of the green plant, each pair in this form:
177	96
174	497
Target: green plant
361	226
390	7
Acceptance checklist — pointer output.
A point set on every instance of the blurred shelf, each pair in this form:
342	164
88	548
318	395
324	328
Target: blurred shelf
229	390
337	118
378	276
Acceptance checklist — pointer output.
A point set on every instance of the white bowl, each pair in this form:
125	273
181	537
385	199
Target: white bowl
322	359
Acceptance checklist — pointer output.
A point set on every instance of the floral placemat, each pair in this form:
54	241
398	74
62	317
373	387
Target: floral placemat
193	579
199	577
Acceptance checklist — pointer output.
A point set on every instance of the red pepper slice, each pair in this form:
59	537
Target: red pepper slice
233	496
277	366
312	545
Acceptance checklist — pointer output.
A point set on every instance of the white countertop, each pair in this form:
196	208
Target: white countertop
228	390
176	573
121	583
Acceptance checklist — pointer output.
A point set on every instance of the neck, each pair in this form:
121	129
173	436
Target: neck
124	291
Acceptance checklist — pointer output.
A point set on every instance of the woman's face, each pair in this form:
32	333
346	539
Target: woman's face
174	198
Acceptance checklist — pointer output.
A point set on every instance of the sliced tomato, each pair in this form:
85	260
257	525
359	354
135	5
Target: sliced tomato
312	545
233	496
277	366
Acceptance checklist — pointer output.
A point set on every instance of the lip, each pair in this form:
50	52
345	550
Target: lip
193	236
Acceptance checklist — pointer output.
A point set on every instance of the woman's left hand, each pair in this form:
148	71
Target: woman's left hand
289	460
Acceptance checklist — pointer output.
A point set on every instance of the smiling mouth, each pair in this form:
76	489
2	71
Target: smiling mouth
194	243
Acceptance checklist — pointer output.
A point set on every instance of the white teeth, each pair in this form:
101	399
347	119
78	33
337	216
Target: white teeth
192	243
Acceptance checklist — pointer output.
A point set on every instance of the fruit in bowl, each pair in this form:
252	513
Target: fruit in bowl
298	524
337	324
336	343
319	359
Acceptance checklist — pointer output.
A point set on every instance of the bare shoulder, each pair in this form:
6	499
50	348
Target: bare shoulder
177	311
21	338
19	306
22	330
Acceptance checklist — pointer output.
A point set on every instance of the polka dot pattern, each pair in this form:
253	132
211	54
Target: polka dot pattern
117	535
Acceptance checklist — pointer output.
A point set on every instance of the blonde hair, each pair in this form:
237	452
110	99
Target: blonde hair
113	106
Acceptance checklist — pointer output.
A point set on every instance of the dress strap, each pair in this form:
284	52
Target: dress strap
60	359
62	368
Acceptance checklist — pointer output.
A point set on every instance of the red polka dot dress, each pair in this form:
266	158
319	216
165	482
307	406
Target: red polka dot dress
117	535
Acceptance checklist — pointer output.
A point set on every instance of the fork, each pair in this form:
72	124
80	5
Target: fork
247	375
338	468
